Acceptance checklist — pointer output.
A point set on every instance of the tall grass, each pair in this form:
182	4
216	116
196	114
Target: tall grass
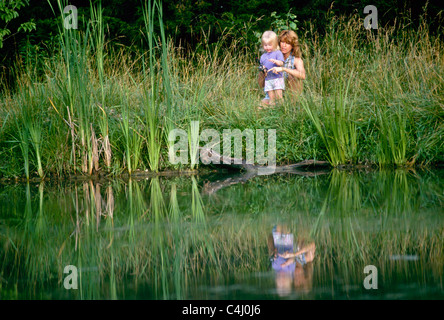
393	137
23	141
167	92
29	127
75	91
98	43
387	112
151	96
390	99
338	130
133	140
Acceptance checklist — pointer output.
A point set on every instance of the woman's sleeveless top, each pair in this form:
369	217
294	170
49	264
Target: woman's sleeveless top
295	84
288	63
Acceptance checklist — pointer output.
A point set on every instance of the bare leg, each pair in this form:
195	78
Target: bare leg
278	94
272	96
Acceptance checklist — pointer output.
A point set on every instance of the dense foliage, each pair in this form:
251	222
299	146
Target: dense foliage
185	20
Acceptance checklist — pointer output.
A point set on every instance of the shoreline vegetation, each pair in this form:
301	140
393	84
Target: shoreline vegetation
372	98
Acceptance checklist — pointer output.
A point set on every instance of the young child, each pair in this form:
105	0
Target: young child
273	57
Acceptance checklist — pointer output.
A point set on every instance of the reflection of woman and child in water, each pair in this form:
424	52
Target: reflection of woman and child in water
291	261
281	65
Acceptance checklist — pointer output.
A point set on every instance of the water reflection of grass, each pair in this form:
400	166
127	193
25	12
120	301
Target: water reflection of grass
164	234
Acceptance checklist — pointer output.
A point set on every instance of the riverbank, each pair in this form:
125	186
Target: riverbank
227	175
371	98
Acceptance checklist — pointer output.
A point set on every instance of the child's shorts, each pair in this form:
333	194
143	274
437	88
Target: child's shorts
275	84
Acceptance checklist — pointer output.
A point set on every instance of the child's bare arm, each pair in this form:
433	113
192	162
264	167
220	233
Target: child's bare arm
277	62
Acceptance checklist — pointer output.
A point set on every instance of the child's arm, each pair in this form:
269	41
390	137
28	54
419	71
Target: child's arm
298	72
277	62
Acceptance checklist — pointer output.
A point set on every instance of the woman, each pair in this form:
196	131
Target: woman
293	68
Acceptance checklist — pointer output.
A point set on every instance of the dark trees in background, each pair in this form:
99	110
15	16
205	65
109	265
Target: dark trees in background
186	19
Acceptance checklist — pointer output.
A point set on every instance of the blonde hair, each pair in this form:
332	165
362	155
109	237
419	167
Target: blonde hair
290	37
270	37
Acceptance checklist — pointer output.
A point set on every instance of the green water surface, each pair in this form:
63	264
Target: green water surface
206	237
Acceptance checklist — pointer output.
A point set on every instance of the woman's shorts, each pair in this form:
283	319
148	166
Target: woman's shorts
275	84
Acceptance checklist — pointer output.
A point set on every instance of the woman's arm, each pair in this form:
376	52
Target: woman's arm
308	248
298	73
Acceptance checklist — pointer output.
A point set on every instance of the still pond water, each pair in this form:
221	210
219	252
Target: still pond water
210	237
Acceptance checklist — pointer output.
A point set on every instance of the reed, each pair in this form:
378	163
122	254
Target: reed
75	92
132	139
23	141
98	42
393	138
152	107
167	85
338	131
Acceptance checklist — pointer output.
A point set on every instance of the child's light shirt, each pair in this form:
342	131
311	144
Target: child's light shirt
277	55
